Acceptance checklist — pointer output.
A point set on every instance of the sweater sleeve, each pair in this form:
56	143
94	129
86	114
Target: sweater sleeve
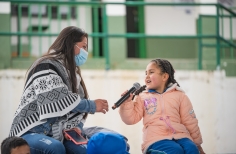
85	105
189	119
53	95
131	112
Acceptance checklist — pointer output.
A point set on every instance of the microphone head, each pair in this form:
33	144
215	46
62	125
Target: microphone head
136	85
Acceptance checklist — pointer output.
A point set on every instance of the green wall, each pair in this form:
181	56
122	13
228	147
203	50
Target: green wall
171	48
209	53
163	48
117	46
5	41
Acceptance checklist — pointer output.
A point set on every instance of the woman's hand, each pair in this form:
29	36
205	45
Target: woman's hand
200	149
101	105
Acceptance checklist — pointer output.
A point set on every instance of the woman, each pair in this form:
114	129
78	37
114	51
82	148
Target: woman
55	98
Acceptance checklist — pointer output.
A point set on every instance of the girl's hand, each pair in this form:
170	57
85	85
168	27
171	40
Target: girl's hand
200	149
101	105
130	96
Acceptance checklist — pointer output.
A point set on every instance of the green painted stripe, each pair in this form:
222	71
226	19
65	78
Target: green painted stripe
95	30
199	27
19	45
30	29
218	37
141	28
105	39
49	22
40	28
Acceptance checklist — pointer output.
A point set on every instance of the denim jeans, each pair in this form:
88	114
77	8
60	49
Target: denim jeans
180	146
42	144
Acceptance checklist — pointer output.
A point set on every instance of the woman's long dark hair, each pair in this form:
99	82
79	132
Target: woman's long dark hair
62	49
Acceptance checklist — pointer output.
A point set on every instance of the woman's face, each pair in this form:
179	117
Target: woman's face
83	44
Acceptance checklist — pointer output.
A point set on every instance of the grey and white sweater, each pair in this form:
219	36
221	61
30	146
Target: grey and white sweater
48	94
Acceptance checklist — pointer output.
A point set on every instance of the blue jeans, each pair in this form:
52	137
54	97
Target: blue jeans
180	146
42	144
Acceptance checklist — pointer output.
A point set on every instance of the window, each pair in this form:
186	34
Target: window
35	9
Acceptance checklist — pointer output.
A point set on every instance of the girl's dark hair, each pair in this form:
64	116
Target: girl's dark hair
10	143
166	67
62	49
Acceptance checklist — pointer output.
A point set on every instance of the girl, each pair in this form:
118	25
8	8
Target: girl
55	97
170	124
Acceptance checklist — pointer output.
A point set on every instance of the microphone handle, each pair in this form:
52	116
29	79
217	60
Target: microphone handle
123	98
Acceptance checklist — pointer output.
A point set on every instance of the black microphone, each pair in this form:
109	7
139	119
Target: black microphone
135	87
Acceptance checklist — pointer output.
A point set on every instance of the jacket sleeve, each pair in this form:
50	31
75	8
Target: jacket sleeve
131	112
188	118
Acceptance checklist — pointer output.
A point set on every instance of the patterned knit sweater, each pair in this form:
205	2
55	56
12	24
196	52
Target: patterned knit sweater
47	94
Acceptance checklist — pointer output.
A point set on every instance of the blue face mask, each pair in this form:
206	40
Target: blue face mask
81	58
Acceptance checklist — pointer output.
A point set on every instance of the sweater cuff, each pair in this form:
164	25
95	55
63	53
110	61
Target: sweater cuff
92	106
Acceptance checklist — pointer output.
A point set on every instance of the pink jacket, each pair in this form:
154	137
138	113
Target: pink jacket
165	116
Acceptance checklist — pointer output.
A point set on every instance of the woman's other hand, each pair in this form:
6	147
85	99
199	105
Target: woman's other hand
101	105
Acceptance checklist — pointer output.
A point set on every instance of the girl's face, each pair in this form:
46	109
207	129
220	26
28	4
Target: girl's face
82	44
155	79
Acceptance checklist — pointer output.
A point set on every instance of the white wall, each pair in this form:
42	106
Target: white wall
169	20
5	8
212	95
115	10
181	20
